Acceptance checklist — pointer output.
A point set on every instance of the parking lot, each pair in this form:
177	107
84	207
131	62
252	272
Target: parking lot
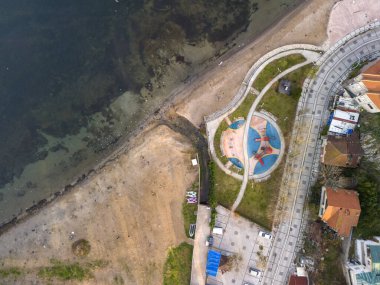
241	238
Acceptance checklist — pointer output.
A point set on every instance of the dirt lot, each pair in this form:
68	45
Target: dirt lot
130	213
211	92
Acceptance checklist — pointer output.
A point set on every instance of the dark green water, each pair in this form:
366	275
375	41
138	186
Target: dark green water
78	76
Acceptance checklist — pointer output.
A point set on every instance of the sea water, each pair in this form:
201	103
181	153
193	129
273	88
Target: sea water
78	76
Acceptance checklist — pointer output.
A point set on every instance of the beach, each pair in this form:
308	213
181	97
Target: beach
129	208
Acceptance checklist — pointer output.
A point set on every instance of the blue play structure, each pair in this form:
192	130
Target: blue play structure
272	133
253	145
268	161
236	162
213	260
237	124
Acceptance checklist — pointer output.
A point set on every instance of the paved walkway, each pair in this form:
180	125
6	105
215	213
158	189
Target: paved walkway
247	125
303	159
213	121
198	268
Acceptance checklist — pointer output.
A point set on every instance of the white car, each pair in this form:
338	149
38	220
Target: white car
265	235
254	272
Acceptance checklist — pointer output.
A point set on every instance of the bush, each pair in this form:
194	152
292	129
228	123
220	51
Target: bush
81	247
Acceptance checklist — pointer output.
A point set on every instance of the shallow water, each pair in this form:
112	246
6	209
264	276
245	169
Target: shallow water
76	77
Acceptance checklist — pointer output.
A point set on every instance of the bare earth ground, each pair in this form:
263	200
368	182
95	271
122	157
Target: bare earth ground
130	212
349	15
308	24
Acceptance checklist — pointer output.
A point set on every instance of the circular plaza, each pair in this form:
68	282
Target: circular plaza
264	144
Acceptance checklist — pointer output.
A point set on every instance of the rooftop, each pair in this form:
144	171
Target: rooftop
298	280
373	69
343	151
343	210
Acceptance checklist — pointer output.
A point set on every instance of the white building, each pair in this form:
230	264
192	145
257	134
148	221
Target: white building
366	269
343	122
365	88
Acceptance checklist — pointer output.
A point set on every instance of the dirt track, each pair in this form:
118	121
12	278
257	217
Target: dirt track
130	213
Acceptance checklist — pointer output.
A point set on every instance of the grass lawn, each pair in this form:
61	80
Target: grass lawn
243	109
226	187
282	106
260	199
275	68
218	134
65	271
177	268
189	217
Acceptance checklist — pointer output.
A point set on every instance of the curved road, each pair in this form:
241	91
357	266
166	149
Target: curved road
312	113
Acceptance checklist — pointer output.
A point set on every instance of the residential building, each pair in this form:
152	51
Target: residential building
342	151
365	270
343	122
365	88
340	209
300	277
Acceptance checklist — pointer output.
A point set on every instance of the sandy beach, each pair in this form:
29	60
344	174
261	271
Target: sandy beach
130	209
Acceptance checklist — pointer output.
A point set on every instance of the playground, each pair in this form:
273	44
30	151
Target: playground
264	144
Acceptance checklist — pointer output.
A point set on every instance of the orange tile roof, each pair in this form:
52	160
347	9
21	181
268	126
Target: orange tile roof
372	85
343	210
375	98
374	69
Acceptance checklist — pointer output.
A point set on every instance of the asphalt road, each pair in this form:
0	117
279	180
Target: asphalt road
303	159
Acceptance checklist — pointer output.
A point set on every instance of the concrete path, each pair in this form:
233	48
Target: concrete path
303	158
247	125
310	52
198	268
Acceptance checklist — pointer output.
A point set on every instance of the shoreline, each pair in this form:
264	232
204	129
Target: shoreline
178	95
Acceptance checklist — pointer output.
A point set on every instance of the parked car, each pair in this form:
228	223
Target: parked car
265	235
254	272
210	240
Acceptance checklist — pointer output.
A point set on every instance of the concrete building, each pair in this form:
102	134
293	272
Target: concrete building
365	88
342	151
340	209
343	122
300	277
365	270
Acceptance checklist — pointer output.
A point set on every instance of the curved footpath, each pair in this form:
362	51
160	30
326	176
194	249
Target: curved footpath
213	121
335	66
247	125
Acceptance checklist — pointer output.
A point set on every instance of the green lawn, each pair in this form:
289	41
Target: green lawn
284	107
65	271
218	134
189	217
243	109
226	187
260	199
177	268
275	68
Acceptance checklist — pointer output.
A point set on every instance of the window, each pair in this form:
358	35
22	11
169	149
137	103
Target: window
369	105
